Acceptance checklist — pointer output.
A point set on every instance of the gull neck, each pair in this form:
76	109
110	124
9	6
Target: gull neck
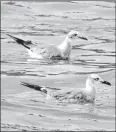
65	45
90	87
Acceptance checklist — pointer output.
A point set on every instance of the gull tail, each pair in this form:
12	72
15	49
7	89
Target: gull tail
35	87
21	42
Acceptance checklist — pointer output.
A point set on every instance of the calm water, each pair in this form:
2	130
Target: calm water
48	23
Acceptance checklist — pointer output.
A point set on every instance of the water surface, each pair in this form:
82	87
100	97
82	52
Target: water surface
48	23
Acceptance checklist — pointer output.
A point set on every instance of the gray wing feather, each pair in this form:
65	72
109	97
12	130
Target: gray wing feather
73	96
50	51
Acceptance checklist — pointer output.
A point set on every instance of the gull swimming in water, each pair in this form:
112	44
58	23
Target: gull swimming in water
82	95
61	51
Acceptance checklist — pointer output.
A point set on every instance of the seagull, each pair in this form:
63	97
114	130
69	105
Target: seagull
83	95
51	51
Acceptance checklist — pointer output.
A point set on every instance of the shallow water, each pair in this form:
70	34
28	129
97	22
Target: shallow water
46	23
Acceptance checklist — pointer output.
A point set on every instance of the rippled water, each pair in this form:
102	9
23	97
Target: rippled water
46	23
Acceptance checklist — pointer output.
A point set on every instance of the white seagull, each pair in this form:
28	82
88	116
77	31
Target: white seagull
61	51
83	95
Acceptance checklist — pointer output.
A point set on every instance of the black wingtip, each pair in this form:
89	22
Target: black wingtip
32	86
11	36
20	41
8	34
25	84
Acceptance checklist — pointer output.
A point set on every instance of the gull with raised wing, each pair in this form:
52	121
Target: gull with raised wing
61	51
83	95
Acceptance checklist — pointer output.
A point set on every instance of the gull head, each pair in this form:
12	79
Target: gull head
96	78
74	35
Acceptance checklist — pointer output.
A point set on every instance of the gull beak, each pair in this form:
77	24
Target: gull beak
82	37
105	82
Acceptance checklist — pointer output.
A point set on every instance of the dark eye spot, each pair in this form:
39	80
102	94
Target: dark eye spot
75	35
96	79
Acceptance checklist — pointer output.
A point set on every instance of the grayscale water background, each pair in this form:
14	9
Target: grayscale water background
48	23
